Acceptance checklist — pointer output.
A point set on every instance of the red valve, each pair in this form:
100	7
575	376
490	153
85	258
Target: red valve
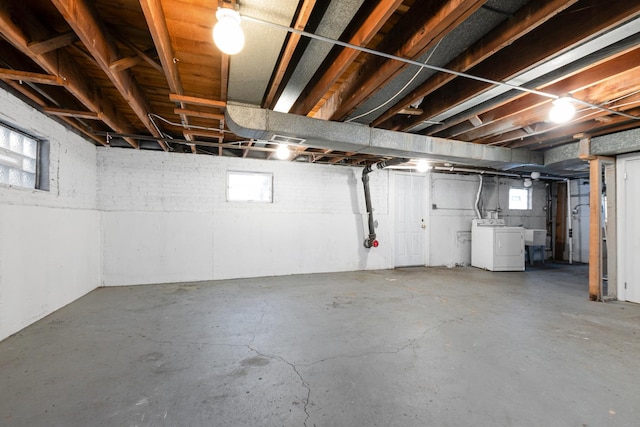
375	243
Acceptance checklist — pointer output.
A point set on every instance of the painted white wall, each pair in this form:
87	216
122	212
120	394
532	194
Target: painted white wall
49	240
452	201
628	242
166	219
580	220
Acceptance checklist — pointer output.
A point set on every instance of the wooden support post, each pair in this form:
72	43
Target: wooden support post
595	228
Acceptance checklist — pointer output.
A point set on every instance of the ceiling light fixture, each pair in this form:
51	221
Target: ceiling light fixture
283	152
422	166
563	110
227	34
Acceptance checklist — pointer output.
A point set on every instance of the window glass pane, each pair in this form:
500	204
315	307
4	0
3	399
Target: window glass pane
4	137
20	159
30	147
15	142
29	180
520	198
15	177
4	174
249	187
29	165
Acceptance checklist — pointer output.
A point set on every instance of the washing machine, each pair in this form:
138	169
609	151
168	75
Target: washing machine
495	246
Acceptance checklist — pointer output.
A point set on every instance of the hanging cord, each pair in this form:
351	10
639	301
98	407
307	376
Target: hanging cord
400	91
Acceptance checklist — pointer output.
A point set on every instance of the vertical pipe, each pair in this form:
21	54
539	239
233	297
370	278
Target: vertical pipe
370	241
367	201
478	198
569	221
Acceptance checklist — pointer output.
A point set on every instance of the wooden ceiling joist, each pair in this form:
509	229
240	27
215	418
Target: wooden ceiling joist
143	55
618	72
420	29
83	19
73	123
526	19
323	82
175	97
157	23
201	114
88	115
205	133
124	63
53	43
292	43
61	63
559	34
26	76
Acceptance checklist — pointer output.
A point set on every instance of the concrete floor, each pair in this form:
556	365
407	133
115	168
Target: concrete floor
407	347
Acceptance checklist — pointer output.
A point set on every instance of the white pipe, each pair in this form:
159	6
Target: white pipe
569	221
478	197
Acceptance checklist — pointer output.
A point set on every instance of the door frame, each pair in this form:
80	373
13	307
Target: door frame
425	212
622	230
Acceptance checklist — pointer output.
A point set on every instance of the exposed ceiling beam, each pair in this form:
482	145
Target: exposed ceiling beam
196	113
246	150
53	43
526	19
23	89
26	76
421	28
559	34
292	43
206	133
592	75
143	55
197	101
157	23
89	115
83	19
125	63
328	75
599	84
594	123
64	65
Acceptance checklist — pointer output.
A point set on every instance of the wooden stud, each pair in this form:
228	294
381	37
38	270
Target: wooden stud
26	76
197	101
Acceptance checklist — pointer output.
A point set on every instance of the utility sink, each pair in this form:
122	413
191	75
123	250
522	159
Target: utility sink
535	237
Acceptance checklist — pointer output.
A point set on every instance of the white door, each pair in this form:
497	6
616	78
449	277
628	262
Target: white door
631	231
411	221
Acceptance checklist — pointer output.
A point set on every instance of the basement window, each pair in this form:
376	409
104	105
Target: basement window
23	160
520	198
249	187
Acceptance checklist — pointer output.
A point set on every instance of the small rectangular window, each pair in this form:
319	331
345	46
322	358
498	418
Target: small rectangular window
19	159
249	187
520	198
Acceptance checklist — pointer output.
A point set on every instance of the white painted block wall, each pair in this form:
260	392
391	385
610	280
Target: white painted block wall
49	240
451	204
166	219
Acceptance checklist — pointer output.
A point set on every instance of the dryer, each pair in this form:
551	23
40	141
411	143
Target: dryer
496	247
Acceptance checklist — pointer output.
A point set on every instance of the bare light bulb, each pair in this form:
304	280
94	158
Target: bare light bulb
227	34
422	166
283	152
562	110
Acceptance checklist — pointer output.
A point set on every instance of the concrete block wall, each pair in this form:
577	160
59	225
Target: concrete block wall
451	202
49	240
166	219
